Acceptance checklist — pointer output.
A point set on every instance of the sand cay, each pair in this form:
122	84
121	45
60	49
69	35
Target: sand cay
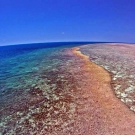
101	112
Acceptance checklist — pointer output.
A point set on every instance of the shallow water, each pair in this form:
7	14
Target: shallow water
36	89
48	90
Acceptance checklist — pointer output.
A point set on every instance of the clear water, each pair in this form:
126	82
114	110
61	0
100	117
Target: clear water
35	88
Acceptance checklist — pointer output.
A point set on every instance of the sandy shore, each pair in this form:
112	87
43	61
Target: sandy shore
101	112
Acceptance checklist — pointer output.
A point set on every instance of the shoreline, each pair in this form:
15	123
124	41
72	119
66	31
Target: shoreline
113	116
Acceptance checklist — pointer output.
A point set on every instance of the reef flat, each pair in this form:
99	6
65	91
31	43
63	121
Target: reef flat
100	112
119	60
65	90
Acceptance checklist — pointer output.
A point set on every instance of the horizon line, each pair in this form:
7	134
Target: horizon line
16	44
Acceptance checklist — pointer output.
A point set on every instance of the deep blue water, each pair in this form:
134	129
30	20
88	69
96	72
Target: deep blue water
13	50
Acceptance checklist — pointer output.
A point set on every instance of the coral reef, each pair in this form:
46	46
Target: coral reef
119	60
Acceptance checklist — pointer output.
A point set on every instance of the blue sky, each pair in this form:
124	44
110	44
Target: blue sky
28	21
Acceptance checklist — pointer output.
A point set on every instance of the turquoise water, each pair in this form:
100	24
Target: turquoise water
35	89
19	73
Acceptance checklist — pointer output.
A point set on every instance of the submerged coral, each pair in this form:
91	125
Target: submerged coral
119	61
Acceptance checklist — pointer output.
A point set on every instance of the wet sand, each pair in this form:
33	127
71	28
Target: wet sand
100	112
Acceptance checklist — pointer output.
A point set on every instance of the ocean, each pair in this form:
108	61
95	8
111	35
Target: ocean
52	89
33	79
